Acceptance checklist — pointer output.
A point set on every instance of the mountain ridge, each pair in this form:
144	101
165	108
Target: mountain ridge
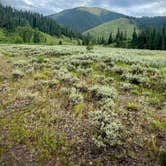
84	18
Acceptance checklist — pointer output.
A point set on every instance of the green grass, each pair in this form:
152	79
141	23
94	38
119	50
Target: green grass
104	30
12	37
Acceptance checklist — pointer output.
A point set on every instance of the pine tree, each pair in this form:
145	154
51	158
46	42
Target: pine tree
134	41
103	40
36	37
110	40
163	38
118	36
142	40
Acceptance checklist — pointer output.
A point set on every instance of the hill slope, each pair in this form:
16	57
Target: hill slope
156	22
104	30
14	38
84	18
11	18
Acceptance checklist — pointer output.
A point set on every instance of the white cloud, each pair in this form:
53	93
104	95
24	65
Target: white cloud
130	7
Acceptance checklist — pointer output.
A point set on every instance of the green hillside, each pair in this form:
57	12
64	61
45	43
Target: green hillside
11	18
84	18
13	37
104	30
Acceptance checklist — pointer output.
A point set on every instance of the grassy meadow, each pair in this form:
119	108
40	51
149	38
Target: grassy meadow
67	105
104	30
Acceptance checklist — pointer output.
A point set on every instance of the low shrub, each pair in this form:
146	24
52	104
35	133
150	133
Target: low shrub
104	92
75	97
117	70
81	86
106	105
20	63
108	80
137	69
64	75
109	62
84	72
135	79
51	83
107	130
17	74
126	86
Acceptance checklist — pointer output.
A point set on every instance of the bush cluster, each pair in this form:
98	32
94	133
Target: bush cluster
75	97
101	92
107	129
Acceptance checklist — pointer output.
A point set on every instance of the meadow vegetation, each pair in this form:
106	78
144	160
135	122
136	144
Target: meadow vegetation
72	105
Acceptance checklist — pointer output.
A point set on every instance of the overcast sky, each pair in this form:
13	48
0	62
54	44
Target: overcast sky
130	7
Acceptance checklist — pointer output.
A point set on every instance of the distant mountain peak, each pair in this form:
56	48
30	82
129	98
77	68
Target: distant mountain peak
94	10
83	18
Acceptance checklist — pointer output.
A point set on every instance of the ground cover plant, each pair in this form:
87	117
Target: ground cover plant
68	105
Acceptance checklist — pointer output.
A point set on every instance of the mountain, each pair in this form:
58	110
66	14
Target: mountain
83	18
124	24
156	22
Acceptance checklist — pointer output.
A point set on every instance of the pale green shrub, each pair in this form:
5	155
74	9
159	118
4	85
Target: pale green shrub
50	83
109	62
104	92
135	79
20	63
65	91
126	86
106	105
99	78
137	69
75	97
117	70
107	130
84	71
108	80
81	62
81	86
65	76
18	74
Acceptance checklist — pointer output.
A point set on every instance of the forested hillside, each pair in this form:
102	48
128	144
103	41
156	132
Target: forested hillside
113	28
148	38
156	22
11	19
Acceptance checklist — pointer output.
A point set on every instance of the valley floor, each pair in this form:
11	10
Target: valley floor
57	104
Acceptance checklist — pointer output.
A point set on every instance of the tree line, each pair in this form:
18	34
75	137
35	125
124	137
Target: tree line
11	18
148	38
